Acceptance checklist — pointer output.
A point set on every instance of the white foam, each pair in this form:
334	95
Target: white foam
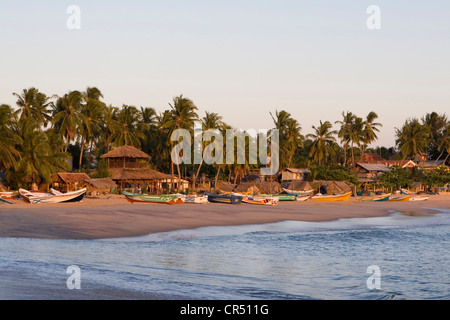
394	220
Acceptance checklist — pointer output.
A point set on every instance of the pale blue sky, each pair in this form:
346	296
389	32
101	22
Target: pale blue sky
241	59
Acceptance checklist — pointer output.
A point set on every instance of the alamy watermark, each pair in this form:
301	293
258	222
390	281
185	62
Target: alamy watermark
74	280
374	280
234	153
374	20
73	21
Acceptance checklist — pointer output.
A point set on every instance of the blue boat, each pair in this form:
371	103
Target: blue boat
225	198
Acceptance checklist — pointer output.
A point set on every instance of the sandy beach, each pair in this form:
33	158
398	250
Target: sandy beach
111	216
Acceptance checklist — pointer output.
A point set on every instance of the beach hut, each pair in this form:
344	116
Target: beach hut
66	181
291	174
333	187
129	168
269	187
247	188
99	186
226	187
299	186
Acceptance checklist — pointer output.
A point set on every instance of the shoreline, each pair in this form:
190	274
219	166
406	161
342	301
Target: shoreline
112	216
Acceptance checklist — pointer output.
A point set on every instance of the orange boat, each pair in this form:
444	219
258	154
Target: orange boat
332	197
400	198
8	195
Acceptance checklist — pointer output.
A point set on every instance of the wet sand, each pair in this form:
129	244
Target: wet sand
111	216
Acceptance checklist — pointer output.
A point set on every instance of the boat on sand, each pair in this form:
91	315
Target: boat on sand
53	197
149	198
332	197
231	198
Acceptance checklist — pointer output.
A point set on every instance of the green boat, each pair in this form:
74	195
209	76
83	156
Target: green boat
148	198
281	196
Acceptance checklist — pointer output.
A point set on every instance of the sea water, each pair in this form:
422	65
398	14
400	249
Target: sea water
285	260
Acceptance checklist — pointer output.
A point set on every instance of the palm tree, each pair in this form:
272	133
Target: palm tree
323	140
38	157
436	123
291	140
444	143
210	121
370	129
9	139
90	116
412	138
33	103
66	118
129	128
183	115
344	132
107	125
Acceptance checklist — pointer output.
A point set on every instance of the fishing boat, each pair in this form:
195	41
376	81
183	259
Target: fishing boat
303	197
149	198
231	198
194	198
53	197
281	196
419	198
265	201
298	193
8	195
400	198
332	197
381	197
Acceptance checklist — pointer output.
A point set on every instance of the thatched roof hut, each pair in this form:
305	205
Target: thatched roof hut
100	185
334	187
126	157
300	186
226	187
247	188
66	181
269	187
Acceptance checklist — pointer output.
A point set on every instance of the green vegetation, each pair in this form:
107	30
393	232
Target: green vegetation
43	134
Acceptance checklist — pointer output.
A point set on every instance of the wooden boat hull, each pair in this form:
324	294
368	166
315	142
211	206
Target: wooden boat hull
339	197
383	197
419	198
282	197
35	198
400	198
224	198
8	195
264	201
146	198
298	193
194	199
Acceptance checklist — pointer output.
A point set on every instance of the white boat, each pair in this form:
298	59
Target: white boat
419	198
193	198
53	197
299	193
303	197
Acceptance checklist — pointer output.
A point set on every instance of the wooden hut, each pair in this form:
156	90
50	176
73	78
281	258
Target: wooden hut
291	174
100	186
299	186
334	187
226	187
129	168
247	188
269	187
66	182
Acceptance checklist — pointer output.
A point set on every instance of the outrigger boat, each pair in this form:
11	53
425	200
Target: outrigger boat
148	198
381	197
281	196
193	198
231	198
5	201
400	198
332	197
267	201
419	198
8	195
53	197
299	193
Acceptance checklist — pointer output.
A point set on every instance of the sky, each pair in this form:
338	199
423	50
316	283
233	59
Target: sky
241	59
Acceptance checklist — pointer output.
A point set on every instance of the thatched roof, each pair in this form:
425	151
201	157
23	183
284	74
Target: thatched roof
227	187
247	187
335	187
269	187
67	177
299	186
102	183
127	152
137	174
